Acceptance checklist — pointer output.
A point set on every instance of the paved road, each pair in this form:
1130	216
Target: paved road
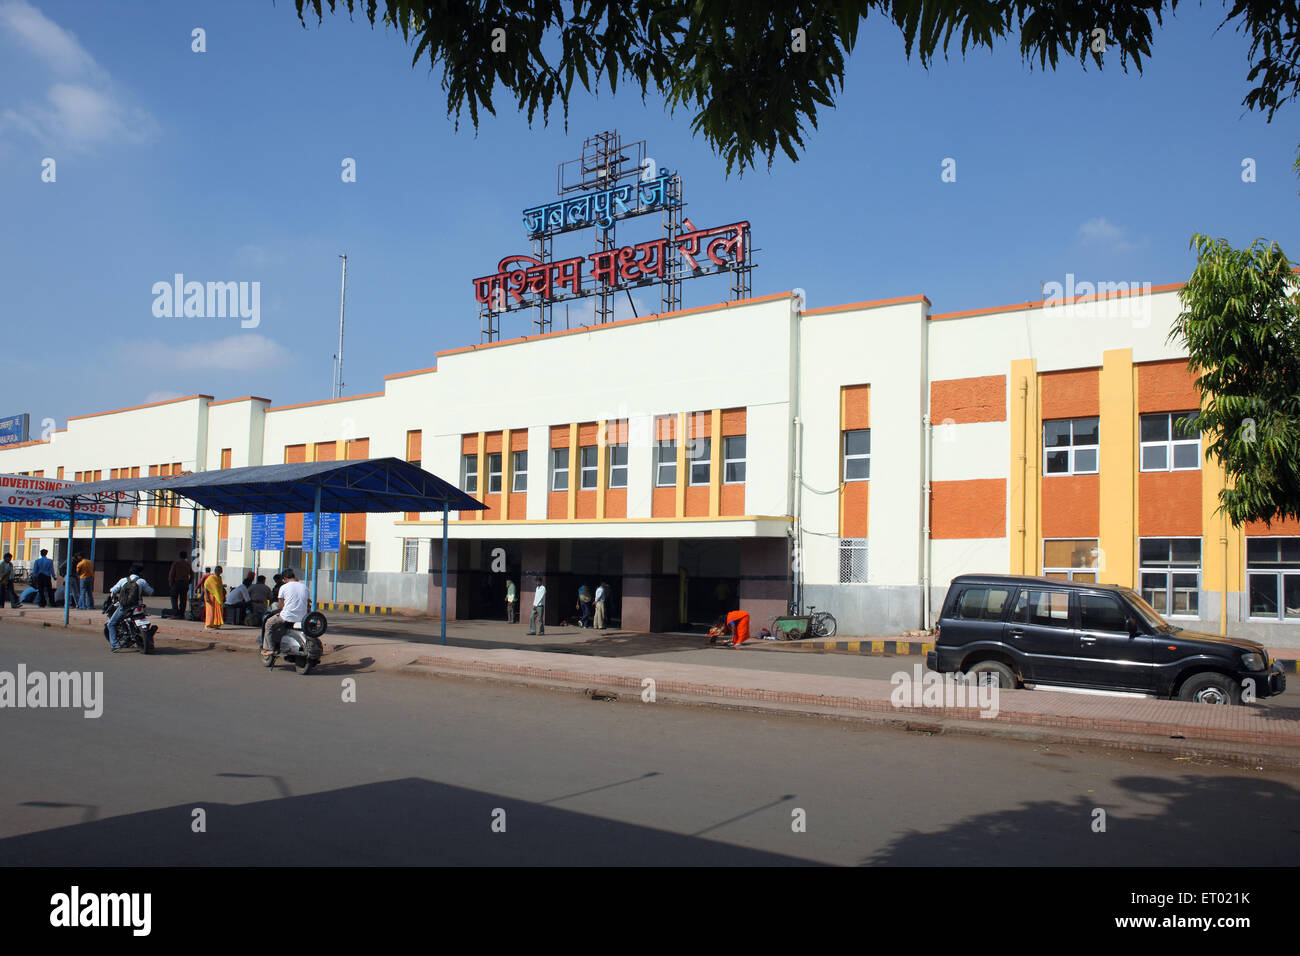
414	770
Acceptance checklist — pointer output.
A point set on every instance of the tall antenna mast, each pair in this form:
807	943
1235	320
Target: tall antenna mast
338	356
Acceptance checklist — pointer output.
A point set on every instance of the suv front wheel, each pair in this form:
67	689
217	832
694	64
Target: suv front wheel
1005	676
1210	688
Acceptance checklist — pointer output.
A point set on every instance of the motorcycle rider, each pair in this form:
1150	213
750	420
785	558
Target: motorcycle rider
133	584
294	605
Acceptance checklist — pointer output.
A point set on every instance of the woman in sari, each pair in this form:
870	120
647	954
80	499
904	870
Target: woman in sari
214	599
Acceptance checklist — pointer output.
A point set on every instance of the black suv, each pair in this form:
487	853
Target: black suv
1044	631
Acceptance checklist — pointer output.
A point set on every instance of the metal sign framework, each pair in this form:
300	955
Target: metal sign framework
626	185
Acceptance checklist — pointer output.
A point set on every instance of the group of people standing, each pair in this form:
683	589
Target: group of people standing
590	607
248	600
81	583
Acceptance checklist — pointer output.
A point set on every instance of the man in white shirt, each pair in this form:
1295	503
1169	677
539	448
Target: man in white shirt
238	602
537	623
294	606
601	593
128	592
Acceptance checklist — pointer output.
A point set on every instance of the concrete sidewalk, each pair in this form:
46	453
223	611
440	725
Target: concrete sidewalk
1265	733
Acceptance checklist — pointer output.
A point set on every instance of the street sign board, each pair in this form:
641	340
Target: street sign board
330	523
268	533
15	429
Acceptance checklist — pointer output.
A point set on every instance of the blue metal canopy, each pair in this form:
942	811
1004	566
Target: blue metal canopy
368	485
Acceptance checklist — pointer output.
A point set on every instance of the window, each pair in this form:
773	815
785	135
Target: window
410	555
1273	566
355	557
701	460
857	455
853	560
617	466
1071	559
1070	446
559	469
20	548
1170	571
519	471
1102	612
1169	446
469	474
665	464
587	464
1043	608
733	460
223	550
982	604
293	556
494	473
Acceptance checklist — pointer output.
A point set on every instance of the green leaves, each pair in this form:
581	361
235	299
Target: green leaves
734	65
1241	328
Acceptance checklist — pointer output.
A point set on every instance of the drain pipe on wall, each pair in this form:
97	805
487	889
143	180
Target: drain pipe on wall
796	534
928	432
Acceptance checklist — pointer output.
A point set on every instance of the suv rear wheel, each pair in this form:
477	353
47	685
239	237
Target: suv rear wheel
1005	676
1210	688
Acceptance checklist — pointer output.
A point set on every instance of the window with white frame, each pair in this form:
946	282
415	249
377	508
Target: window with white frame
853	560
857	454
701	461
1273	567
1170	570
617	465
559	469
519	470
665	464
587	463
410	555
1070	446
1167	445
1071	559
223	552
733	460
469	474
494	473
355	557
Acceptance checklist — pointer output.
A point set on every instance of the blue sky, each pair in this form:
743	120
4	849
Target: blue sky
225	166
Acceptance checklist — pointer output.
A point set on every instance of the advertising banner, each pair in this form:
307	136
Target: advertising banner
27	492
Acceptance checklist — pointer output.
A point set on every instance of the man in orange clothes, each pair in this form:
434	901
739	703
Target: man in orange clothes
738	624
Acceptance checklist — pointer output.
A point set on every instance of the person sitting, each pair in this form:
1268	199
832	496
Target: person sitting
238	601
28	596
259	599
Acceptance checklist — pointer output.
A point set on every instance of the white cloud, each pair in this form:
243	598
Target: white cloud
48	41
1100	231
81	108
247	352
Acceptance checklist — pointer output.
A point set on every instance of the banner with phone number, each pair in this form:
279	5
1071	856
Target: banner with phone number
28	492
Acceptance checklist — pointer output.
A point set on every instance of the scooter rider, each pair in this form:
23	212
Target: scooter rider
134	581
294	605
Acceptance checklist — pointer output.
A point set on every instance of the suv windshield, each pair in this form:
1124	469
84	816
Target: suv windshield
1147	612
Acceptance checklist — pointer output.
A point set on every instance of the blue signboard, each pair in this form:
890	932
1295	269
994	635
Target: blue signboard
15	429
329	531
268	533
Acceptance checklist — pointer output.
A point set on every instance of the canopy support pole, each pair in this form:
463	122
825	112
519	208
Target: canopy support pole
442	618
67	579
315	549
194	553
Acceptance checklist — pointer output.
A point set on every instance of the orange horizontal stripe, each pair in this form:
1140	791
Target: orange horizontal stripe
872	304
132	408
246	398
418	371
1041	303
327	401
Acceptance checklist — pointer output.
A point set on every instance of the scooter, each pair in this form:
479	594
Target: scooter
133	628
299	645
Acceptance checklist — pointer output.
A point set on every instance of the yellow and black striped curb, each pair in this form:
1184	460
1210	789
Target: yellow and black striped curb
877	648
356	608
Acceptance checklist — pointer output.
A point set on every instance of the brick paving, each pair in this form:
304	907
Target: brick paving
1266	725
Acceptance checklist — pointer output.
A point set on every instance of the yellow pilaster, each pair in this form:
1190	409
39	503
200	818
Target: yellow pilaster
602	478
482	472
1022	497
575	470
506	473
1221	544
1117	525
715	464
682	438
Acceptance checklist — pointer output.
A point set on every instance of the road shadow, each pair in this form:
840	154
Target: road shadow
407	822
1192	820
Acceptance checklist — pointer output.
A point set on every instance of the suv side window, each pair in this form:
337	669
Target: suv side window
1043	608
1102	612
982	604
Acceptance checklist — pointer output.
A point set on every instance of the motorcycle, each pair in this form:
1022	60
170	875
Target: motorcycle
300	644
133	628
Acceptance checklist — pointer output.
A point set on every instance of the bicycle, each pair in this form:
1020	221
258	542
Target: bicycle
820	623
